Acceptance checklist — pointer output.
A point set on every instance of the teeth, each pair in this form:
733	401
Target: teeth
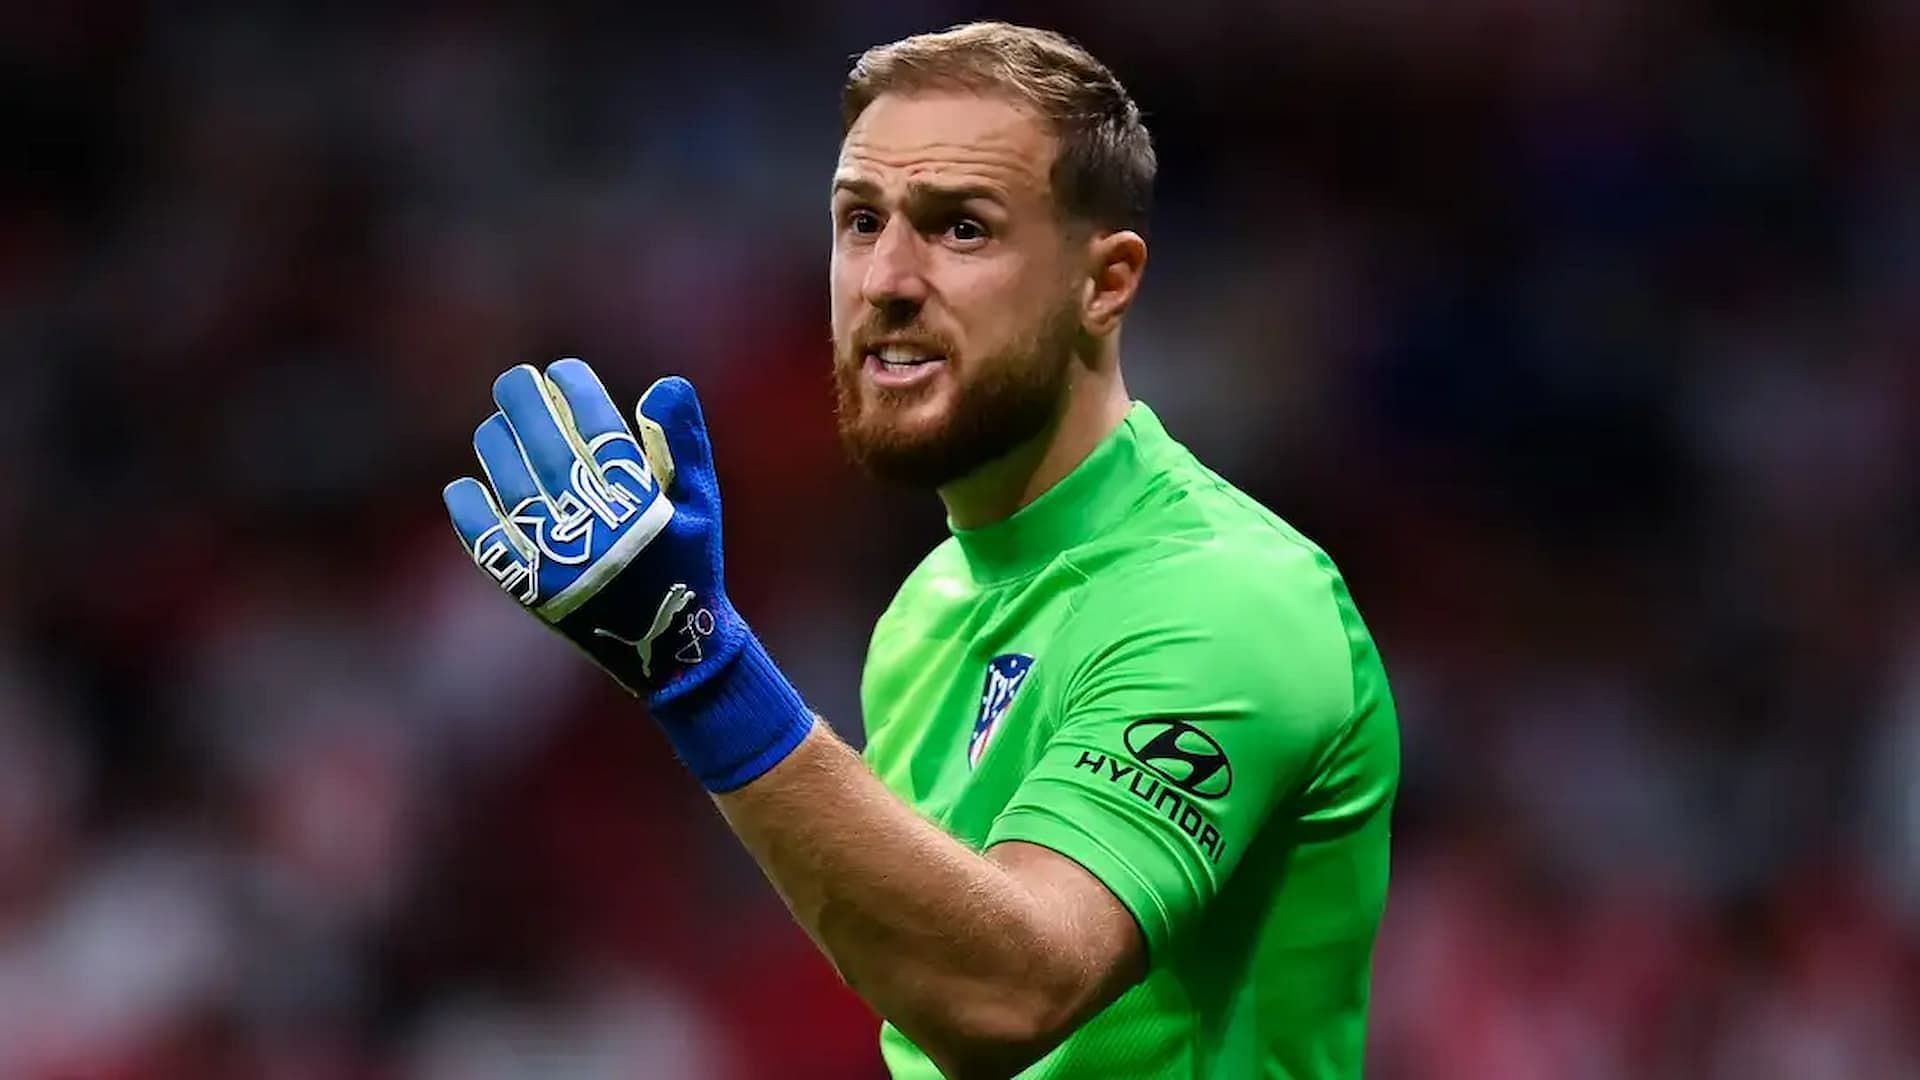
902	355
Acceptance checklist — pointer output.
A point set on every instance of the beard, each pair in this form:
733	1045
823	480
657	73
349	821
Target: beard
994	405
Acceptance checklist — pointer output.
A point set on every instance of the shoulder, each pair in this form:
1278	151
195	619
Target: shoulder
1266	596
924	596
1217	587
942	572
1197	545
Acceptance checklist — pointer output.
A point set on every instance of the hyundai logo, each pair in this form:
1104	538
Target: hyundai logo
1183	756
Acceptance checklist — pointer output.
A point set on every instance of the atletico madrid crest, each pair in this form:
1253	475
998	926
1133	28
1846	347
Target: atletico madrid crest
1005	673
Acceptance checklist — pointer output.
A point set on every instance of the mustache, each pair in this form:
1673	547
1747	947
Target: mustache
860	340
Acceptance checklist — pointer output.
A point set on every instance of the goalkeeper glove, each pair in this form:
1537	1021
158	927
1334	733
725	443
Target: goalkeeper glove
615	543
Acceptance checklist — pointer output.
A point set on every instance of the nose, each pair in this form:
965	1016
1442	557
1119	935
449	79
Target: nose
896	268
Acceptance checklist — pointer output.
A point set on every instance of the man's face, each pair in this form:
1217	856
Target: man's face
955	295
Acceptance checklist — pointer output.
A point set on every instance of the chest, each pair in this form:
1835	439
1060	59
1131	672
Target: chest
960	698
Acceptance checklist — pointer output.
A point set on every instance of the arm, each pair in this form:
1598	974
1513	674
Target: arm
985	962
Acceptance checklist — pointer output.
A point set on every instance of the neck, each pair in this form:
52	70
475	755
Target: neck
1096	403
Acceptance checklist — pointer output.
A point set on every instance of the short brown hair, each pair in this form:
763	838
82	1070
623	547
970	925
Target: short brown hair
1104	171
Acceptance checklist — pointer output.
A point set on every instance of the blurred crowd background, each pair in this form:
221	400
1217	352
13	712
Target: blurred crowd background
1586	335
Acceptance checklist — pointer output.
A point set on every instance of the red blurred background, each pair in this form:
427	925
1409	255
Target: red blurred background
1583	334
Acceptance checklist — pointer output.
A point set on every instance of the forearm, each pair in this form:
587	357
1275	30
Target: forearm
961	956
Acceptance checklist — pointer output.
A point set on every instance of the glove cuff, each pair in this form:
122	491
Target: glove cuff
738	722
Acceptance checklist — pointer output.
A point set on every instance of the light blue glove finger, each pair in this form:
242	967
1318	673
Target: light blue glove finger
506	470
594	413
495	546
524	506
522	397
601	427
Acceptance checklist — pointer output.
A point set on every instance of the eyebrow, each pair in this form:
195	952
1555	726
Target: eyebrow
921	193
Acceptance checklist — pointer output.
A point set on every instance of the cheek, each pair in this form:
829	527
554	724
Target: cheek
1006	307
843	285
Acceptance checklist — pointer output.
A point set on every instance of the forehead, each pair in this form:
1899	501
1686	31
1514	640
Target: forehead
948	138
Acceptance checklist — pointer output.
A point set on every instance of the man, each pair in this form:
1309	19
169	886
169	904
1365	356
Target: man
1131	754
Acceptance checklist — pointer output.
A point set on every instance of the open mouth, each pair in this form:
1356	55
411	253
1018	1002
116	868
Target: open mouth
902	365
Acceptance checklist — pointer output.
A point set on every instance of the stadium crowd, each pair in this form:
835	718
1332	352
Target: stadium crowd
1585	336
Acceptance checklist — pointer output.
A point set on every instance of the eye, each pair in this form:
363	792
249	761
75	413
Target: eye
862	221
967	230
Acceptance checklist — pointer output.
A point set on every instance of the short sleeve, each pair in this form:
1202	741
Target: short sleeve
1199	705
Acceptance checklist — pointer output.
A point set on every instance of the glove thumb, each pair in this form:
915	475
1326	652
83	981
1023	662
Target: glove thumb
673	437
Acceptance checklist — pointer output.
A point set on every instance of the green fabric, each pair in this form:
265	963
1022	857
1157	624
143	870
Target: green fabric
1170	620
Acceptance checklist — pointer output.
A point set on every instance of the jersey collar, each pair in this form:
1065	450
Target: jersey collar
1082	505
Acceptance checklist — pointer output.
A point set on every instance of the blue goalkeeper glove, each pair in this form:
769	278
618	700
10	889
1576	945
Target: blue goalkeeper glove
582	532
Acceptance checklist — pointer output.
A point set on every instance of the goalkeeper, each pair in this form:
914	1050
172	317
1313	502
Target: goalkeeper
1131	754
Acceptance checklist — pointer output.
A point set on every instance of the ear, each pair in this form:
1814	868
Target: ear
1115	261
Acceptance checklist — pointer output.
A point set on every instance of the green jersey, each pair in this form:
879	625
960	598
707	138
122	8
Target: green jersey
1149	673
